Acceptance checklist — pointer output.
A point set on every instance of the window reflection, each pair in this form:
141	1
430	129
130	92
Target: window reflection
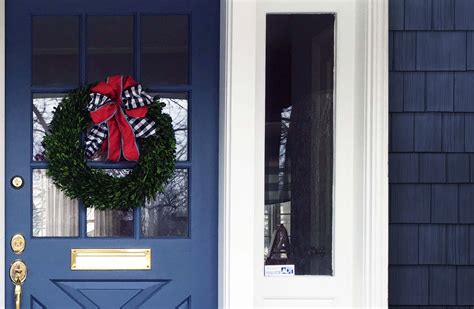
176	105
165	49
54	214
43	112
110	223
299	142
167	215
109	46
55	59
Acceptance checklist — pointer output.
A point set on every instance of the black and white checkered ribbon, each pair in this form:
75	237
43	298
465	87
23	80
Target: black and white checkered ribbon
133	97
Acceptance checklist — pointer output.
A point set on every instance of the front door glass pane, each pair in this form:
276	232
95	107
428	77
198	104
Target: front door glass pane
54	214
165	49
299	144
168	214
109	46
177	106
55	59
43	112
110	223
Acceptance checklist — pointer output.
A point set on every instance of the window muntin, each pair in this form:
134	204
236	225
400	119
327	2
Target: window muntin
109	46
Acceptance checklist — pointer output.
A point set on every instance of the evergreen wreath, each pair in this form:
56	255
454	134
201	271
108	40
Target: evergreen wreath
70	172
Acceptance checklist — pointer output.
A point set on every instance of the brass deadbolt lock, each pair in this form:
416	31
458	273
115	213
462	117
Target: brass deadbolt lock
17	182
18	243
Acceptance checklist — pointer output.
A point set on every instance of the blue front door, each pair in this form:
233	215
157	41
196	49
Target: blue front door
172	48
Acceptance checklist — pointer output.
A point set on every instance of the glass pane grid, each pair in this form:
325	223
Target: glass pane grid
86	50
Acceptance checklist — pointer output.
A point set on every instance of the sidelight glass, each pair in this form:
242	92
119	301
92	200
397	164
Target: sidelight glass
165	49
54	214
168	214
299	148
55	59
109	46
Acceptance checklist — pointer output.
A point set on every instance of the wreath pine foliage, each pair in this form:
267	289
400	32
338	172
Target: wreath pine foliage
70	172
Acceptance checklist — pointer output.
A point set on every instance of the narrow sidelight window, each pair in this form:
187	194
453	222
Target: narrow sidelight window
299	133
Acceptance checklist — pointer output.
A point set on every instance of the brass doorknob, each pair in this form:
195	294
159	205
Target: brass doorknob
18	272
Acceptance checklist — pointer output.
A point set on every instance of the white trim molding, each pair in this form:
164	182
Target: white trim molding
241	161
236	153
375	192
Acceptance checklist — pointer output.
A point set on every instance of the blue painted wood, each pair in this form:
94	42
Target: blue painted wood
404	244
444	203
408	285
433	167
463	10
443	14
390	47
442	285
466	205
457	243
396	16
409	203
465	282
456	167
441	50
414	91
189	264
404	167
453	133
470	50
418	15
402	132
404	51
439	91
469	132
428	132
396	92
432	244
464	92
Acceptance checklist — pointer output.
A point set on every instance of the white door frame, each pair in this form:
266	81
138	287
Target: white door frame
241	155
237	245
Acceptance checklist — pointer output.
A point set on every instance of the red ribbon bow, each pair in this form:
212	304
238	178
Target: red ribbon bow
121	138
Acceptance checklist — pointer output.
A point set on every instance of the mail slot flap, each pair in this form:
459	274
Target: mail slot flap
110	259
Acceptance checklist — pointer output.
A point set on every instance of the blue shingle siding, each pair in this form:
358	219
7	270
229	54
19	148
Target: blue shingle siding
428	132
418	14
402	131
414	91
408	285
457	242
431	161
443	14
464	92
453	132
456	164
440	50
463	13
439	91
404	45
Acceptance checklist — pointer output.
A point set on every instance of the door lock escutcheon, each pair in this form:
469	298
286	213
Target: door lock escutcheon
17	182
18	272
18	243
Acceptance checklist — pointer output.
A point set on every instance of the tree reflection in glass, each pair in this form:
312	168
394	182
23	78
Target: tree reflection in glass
167	215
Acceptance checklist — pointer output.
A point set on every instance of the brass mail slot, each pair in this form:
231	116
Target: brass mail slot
110	259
